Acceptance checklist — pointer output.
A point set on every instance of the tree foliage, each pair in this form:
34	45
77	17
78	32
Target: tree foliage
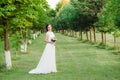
19	15
109	18
79	14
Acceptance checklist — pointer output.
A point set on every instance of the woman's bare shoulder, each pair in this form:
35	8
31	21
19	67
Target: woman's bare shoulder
47	33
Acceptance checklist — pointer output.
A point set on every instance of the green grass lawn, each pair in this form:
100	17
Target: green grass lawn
75	61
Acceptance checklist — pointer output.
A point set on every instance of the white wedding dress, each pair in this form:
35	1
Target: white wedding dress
47	63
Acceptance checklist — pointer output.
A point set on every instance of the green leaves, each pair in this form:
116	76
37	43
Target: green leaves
22	14
109	17
1	14
9	8
78	14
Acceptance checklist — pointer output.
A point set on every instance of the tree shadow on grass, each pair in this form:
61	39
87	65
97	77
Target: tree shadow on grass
2	66
116	52
102	46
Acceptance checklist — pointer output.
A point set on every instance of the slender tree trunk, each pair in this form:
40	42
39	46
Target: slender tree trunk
115	42
62	31
105	38
102	36
24	43
24	47
72	33
65	32
90	35
75	33
68	32
80	34
7	50
58	31
87	35
94	30
34	36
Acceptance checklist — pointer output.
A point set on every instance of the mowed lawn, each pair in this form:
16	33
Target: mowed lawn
75	61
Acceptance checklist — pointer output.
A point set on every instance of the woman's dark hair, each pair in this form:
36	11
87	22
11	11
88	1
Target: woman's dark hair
47	27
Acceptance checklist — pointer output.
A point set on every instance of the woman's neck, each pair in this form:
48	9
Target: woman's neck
50	31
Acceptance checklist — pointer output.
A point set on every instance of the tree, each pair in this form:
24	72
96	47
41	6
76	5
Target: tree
108	18
20	15
6	10
64	19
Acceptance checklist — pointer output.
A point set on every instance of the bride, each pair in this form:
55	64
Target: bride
47	63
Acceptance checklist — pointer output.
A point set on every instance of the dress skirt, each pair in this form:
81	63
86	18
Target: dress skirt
47	63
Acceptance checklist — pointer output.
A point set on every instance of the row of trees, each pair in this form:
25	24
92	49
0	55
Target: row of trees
18	18
87	15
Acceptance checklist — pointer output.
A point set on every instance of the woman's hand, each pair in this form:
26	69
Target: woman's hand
53	43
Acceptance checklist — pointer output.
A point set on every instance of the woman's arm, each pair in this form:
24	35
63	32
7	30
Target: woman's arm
46	38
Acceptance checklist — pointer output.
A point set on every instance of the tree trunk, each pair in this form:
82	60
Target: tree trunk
75	33
102	36
68	31
87	35
24	42
30	41
90	35
58	31
62	31
7	50
80	34
72	33
115	45
34	36
24	47
105	38
94	30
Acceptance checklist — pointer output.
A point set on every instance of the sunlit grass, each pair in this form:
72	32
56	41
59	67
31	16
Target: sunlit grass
75	61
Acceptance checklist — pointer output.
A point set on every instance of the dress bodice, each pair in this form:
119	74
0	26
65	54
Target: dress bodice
50	36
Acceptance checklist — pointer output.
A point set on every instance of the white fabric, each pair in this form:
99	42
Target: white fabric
50	36
47	63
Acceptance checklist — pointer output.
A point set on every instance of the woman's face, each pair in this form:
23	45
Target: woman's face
49	27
